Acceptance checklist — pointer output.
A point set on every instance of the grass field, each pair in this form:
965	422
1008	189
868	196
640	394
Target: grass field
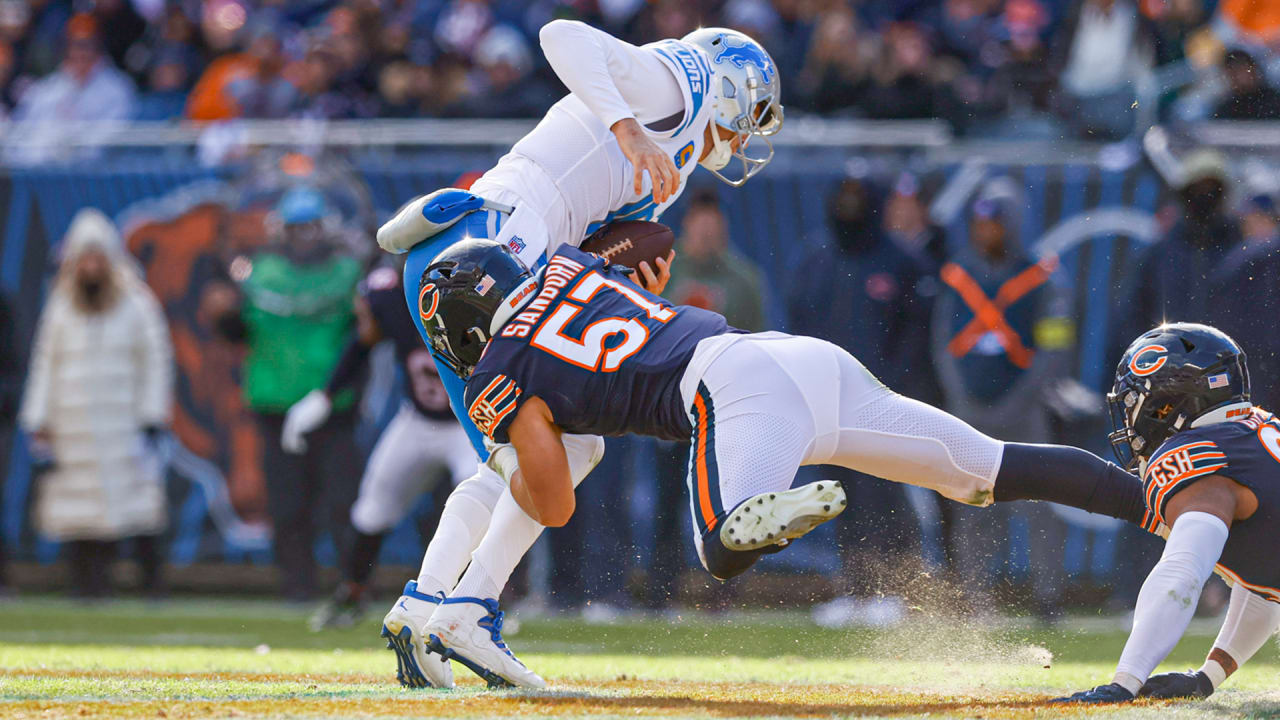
252	659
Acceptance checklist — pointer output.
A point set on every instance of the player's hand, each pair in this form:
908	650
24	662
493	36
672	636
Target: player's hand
1112	693
656	282
1166	686
646	156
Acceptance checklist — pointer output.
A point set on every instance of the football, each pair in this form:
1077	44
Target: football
631	242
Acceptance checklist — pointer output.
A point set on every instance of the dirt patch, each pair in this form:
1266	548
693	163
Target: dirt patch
623	696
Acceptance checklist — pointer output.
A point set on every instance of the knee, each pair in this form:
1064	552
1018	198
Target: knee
485	487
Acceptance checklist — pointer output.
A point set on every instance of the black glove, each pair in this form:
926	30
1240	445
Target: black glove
1112	693
1166	686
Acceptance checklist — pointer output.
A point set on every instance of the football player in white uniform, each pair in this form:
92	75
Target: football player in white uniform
620	146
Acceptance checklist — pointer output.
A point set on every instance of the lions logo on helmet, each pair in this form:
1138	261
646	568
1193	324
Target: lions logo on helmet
744	53
1148	360
428	301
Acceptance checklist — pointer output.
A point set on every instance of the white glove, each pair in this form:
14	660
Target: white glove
503	460
305	416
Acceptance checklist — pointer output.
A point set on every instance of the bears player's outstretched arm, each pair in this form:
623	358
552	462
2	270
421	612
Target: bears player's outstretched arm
542	486
1200	516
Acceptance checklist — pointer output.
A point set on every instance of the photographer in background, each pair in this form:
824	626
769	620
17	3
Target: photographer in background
97	401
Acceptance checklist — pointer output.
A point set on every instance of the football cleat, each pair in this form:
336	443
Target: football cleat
342	610
415	666
774	518
469	630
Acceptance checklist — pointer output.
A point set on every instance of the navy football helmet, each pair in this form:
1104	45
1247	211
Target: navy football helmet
460	299
1172	378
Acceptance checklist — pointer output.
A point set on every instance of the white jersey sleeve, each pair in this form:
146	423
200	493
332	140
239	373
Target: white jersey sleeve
614	79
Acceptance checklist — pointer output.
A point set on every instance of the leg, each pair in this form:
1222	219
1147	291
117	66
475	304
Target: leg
146	549
752	429
467	626
80	567
1069	476
668	550
400	469
290	504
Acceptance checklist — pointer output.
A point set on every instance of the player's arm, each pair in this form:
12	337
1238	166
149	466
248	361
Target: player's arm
623	85
1200	517
542	484
1251	621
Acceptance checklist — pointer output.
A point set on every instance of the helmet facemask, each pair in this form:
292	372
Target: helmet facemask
763	121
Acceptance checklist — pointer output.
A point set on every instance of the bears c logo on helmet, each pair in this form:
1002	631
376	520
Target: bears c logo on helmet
428	301
1148	360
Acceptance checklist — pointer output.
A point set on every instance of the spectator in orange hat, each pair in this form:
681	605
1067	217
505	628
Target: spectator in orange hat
86	87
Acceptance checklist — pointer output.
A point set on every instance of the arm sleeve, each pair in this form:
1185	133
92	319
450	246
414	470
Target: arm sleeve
350	363
1251	621
615	79
1169	596
155	400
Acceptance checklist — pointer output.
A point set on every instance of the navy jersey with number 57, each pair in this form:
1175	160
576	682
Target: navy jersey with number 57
604	355
1246	450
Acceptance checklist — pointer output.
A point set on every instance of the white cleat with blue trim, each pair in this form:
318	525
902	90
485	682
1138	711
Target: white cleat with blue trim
469	630
416	667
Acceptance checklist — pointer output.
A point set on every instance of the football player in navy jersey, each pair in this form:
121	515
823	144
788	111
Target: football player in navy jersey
1210	467
579	349
422	440
637	122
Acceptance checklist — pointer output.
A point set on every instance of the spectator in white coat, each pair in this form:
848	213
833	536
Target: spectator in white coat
97	399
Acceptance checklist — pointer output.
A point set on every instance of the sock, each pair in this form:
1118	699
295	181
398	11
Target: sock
510	535
510	532
363	556
1069	476
463	523
724	563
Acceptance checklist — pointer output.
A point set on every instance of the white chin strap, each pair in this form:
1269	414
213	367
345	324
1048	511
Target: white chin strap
721	152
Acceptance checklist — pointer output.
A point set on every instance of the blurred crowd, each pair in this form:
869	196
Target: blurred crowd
1040	68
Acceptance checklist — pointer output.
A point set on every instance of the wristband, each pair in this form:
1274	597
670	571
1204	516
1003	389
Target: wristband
504	461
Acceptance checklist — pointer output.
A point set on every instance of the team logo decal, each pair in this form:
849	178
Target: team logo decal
1148	360
428	301
745	53
683	154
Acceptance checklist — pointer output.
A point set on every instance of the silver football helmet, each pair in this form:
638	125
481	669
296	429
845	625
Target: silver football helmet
747	93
